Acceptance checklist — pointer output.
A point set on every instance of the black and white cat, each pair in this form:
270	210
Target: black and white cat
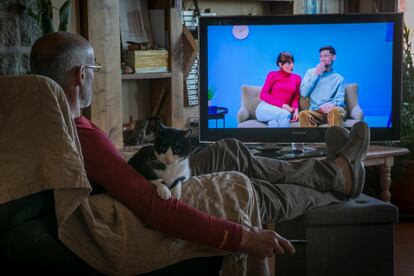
165	163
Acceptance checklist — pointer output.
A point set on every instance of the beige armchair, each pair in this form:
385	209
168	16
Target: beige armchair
246	116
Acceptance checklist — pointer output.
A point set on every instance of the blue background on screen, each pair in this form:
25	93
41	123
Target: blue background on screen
364	56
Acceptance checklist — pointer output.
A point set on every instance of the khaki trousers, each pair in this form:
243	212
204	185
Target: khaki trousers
313	118
284	189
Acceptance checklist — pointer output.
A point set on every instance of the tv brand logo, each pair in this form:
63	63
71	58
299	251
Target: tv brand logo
298	132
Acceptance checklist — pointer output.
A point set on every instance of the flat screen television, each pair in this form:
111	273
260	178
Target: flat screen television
238	52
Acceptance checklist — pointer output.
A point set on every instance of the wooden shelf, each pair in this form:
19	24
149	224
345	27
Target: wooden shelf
142	76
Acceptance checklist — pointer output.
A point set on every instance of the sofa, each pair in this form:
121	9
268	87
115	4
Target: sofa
246	116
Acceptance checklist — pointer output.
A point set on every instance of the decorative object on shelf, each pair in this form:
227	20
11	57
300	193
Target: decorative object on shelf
134	22
190	34
138	132
126	69
190	50
240	31
142	46
44	15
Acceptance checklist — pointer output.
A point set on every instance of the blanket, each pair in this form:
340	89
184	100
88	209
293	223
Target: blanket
40	151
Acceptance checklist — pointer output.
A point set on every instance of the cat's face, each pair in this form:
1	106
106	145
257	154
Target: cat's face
172	144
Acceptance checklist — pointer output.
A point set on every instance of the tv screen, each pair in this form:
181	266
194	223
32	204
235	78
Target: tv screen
247	93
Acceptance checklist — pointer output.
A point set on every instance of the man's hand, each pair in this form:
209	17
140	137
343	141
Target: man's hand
320	68
264	243
287	107
327	107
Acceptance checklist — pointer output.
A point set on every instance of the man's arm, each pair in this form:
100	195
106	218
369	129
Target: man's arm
339	99
308	83
105	166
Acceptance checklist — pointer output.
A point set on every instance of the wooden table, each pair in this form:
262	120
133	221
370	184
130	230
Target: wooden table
384	158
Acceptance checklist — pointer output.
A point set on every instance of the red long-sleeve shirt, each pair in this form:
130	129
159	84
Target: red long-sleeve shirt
105	166
281	88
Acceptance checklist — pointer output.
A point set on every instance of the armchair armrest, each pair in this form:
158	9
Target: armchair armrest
351	100
356	113
242	114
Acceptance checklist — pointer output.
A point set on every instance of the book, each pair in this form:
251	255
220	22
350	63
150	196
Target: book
147	61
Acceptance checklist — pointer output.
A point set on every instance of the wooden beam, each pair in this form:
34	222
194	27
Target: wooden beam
104	36
176	59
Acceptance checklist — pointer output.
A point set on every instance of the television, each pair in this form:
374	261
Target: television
239	51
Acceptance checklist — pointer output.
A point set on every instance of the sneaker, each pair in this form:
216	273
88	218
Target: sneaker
335	138
354	152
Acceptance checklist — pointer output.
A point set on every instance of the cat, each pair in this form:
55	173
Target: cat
165	163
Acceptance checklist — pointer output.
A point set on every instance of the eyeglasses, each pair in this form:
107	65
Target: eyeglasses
95	67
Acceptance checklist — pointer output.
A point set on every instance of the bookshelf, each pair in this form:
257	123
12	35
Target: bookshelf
160	93
153	94
144	76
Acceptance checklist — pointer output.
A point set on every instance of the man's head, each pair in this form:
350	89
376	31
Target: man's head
327	55
67	59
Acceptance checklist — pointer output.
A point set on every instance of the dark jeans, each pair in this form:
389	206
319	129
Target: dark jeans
284	189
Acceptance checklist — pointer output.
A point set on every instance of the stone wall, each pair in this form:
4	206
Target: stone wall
18	32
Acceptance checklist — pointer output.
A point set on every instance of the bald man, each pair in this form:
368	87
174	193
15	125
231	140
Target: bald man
69	60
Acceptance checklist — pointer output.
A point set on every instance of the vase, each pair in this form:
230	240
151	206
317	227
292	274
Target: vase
212	109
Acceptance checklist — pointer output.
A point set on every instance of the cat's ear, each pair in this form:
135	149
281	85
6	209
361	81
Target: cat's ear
159	128
187	133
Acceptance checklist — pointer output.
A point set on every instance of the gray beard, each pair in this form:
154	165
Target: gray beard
86	98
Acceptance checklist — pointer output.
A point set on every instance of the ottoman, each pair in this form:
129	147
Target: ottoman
351	238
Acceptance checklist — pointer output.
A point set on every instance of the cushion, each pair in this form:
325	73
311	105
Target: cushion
251	124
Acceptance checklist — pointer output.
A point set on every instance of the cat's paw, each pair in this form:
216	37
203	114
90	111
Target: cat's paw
176	192
164	192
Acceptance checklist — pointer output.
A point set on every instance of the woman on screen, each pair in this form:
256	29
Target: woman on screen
280	94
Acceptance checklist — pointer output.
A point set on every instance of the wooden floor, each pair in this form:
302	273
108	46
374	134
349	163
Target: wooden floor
404	249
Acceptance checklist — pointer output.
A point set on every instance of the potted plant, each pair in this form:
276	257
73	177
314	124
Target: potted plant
44	15
212	109
402	189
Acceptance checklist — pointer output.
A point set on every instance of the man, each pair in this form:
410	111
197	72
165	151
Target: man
69	60
325	89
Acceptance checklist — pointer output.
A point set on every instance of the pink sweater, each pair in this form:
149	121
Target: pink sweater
105	166
281	88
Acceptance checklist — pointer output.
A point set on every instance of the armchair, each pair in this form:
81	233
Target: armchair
246	116
34	117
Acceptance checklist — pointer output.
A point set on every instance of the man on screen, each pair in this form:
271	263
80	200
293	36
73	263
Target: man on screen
326	92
